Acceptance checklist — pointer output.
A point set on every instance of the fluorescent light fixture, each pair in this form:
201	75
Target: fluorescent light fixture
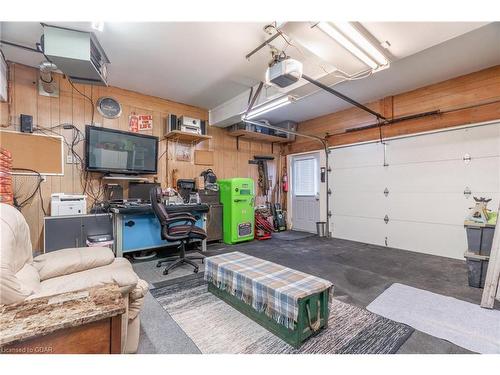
269	106
98	25
355	43
354	35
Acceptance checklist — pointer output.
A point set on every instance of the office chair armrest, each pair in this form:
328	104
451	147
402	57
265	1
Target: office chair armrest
177	214
171	237
178	219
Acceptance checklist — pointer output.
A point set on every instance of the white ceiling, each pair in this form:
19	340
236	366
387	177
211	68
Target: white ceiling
203	63
467	53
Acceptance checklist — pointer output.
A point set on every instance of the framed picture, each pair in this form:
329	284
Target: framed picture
182	152
133	123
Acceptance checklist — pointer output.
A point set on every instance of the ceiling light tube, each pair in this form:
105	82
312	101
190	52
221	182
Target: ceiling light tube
359	39
346	43
269	106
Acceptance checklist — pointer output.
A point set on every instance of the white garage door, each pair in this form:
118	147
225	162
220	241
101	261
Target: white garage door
419	192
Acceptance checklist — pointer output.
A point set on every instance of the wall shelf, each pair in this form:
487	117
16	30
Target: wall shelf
254	136
177	135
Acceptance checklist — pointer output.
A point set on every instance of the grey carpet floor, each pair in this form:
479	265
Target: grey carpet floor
359	271
160	333
351	330
463	323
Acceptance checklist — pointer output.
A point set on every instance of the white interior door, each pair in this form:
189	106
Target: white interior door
420	190
305	179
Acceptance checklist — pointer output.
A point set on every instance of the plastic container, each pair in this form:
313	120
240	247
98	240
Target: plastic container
480	238
321	228
477	267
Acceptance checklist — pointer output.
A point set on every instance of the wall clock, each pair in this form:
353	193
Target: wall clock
109	107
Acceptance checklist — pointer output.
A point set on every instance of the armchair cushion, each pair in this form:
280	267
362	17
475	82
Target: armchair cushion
68	261
119	272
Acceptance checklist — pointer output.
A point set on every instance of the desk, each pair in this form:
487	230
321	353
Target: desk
136	228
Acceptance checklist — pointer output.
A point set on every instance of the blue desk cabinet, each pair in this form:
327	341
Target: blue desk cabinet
142	231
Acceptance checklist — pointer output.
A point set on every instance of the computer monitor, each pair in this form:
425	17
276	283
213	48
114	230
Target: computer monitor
140	190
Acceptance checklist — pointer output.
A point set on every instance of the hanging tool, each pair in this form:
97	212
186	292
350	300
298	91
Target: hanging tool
261	162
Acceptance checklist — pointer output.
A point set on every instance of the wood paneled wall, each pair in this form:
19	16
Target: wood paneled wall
471	90
71	107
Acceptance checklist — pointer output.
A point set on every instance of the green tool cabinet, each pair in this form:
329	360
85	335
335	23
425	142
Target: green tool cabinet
238	197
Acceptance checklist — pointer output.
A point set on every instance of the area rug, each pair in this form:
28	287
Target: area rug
292	235
462	323
216	327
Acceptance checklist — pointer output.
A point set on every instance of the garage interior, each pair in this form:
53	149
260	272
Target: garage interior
360	156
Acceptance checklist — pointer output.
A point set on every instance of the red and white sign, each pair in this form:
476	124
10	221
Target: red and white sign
133	123
145	122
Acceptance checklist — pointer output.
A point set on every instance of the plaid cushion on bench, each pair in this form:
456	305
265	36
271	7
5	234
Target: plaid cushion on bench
264	285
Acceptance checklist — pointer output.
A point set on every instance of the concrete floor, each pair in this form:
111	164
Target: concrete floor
359	272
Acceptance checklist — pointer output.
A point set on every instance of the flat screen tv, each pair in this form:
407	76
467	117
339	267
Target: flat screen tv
114	151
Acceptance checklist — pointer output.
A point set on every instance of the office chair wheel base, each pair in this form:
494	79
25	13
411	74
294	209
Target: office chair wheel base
165	272
195	270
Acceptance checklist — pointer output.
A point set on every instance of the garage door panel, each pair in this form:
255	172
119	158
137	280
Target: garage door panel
427	177
371	154
364	204
442	240
359	229
359	179
438	146
483	174
482	141
446	208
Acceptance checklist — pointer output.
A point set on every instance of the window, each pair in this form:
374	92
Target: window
305	177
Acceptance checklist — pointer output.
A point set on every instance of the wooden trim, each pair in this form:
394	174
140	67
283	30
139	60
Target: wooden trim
116	334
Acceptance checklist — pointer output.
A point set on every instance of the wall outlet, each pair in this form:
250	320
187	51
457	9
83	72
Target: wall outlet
71	159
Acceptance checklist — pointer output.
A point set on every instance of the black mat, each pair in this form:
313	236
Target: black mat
292	235
351	330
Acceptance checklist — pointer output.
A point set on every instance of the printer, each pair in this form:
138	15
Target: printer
67	204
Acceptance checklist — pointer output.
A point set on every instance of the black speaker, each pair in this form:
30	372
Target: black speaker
27	124
171	124
203	127
113	192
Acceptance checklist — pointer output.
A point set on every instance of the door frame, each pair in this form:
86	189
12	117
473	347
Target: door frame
322	186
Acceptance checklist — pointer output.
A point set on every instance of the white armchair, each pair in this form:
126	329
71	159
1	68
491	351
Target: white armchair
24	277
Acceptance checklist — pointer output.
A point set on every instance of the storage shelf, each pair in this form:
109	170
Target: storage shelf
177	135
254	136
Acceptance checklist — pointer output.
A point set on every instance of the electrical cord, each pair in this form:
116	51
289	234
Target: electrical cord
37	189
87	97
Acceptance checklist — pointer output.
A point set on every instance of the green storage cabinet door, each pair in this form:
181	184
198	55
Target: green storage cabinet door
238	197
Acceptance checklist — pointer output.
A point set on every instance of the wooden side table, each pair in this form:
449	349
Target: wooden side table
83	322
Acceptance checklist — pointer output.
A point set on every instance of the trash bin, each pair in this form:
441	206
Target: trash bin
103	240
480	238
477	267
321	228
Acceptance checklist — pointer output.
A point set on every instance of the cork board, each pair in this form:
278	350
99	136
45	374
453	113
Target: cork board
203	157
42	153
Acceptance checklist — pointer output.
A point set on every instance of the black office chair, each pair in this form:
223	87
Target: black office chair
180	232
